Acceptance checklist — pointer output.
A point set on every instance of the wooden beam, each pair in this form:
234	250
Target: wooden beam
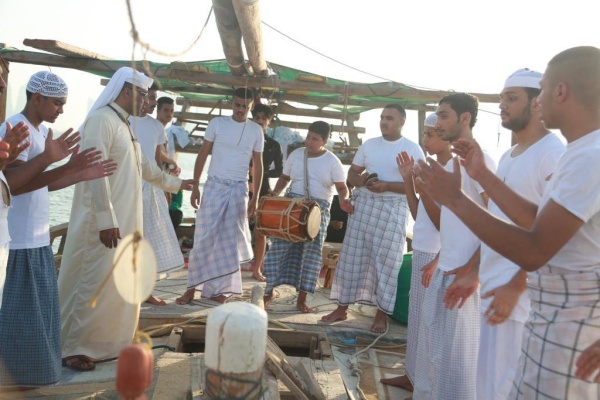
319	101
291	124
4	94
178	71
63	49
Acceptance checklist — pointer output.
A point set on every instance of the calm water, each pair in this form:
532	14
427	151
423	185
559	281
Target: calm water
60	201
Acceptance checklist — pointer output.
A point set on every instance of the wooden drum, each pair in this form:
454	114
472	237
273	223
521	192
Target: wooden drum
294	220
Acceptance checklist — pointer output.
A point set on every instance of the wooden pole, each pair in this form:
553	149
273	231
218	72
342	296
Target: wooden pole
4	94
248	17
231	35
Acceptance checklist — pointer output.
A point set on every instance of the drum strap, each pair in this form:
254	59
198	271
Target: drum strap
306	192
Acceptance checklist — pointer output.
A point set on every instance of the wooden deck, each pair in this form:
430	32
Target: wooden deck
326	350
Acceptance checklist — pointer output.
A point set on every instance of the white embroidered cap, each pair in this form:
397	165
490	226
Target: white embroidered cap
524	78
431	120
47	84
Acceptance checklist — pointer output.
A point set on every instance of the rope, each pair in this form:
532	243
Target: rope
354	365
147	47
158	346
217	384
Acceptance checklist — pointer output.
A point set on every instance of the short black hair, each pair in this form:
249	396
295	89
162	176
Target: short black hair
321	128
398	108
244	93
462	103
154	86
263	108
163	100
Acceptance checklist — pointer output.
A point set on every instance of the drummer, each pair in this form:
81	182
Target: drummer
299	264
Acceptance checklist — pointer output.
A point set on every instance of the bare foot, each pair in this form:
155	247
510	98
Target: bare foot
268	298
339	314
219	299
301	303
304	308
380	322
187	297
155	301
258	276
401	381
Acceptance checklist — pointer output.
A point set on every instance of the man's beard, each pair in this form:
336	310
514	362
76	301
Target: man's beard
518	124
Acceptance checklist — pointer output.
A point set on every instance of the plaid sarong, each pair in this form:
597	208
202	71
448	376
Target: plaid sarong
297	264
371	255
446	365
30	320
158	229
416	297
564	320
222	236
3	261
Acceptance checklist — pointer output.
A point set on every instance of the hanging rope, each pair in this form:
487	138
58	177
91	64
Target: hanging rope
147	47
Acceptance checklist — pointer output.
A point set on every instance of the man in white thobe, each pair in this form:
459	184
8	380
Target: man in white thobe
103	212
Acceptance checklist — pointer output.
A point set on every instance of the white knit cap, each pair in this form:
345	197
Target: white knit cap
115	85
47	84
431	120
524	78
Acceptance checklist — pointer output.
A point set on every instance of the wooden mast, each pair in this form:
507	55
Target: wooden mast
3	96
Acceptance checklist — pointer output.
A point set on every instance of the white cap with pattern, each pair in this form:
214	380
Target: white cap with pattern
47	84
525	78
431	120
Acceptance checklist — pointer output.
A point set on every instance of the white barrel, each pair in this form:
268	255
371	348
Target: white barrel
236	338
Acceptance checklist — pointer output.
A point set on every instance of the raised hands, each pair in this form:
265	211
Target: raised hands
406	164
15	139
442	186
58	149
99	169
471	157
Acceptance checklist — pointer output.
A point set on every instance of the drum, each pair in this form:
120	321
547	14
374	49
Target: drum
294	220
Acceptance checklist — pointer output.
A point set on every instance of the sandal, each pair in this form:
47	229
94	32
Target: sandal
79	363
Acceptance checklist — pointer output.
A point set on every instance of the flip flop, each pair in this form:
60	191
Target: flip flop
79	362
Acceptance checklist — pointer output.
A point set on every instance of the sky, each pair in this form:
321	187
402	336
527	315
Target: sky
463	45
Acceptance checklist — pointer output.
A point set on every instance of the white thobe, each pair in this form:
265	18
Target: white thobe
111	202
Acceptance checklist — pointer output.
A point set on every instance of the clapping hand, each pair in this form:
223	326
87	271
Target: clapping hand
15	140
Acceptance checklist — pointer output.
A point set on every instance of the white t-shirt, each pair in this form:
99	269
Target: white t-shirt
323	172
149	133
527	175
575	185
458	242
29	214
4	236
426	237
379	155
233	144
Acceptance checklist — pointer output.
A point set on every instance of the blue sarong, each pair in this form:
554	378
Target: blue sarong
297	264
30	351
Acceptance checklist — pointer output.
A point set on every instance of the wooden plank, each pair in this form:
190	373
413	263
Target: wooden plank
63	49
297	125
178	71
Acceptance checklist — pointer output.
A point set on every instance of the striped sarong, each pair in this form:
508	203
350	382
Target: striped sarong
221	238
297	264
564	320
371	255
158	229
446	365
30	320
3	261
416	297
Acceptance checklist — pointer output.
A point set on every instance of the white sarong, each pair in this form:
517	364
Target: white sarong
158	229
